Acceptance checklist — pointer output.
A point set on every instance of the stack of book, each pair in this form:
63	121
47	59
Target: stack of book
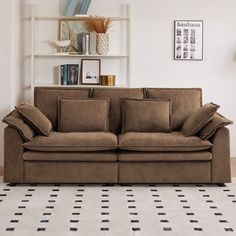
77	7
69	74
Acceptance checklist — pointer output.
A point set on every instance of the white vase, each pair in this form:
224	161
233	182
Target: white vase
102	43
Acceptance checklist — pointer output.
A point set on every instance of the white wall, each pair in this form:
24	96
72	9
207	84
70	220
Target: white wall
153	63
5	61
9	61
153	41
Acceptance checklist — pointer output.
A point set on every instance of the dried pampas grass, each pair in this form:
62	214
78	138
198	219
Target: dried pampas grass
99	25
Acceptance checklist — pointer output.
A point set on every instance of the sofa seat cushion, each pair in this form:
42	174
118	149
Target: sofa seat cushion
170	142
74	142
130	156
71	156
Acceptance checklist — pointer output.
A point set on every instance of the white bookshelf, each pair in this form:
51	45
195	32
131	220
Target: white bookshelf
37	55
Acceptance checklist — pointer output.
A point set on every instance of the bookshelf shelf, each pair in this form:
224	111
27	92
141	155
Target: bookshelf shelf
80	55
38	55
75	86
49	18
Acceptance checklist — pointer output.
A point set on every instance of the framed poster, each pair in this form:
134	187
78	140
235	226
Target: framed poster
90	71
70	29
188	40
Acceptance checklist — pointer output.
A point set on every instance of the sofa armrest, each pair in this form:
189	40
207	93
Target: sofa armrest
13	156
221	157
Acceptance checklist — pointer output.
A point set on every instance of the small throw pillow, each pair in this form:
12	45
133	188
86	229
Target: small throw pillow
199	119
35	118
152	115
15	120
211	127
83	115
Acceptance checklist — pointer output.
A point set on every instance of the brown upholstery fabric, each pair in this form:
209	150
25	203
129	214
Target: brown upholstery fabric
35	118
13	152
146	115
116	95
184	102
46	99
199	119
220	165
15	120
72	142
85	115
91	158
70	172
70	156
210	128
165	172
172	142
164	156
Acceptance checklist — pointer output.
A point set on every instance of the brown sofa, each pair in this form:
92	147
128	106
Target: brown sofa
112	157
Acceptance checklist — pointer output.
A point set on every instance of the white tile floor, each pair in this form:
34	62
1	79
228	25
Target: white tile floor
94	210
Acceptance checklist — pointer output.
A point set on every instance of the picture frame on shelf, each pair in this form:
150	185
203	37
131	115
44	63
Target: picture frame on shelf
188	40
90	71
69	29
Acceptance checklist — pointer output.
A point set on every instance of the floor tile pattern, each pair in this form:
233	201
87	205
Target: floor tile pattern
117	210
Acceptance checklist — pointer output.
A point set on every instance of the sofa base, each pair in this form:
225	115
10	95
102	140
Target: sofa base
117	172
165	172
70	172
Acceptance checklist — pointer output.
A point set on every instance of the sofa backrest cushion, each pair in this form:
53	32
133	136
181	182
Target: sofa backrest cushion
45	98
185	101
116	95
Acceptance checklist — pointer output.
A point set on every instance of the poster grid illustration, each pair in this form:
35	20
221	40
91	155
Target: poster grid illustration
188	40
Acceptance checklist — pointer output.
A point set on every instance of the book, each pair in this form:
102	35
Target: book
86	6
85	43
77	9
61	74
68	74
72	74
71	7
81	11
93	43
64	74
